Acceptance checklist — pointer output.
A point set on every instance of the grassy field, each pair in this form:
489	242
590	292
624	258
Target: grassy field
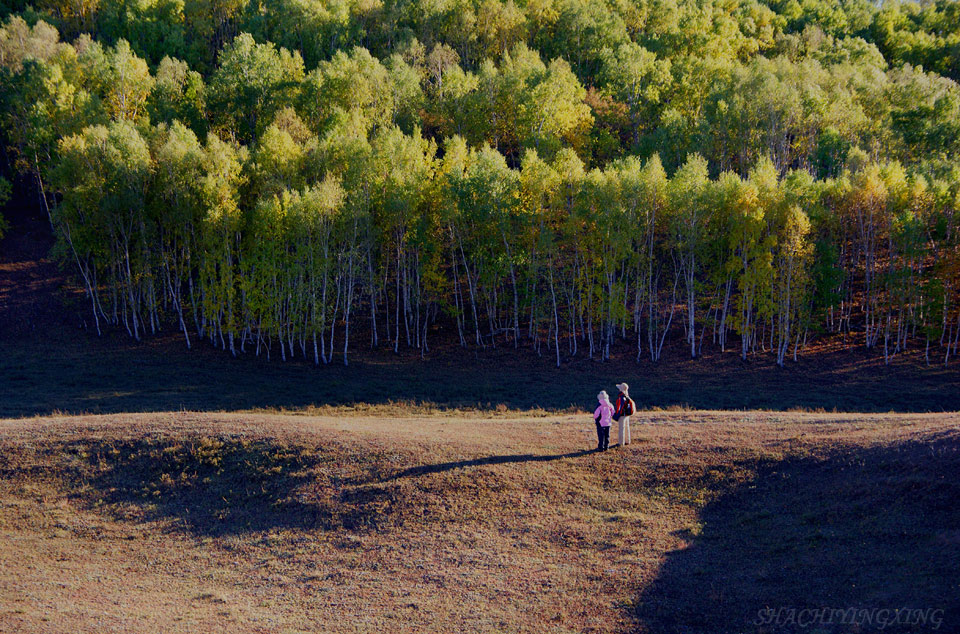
388	520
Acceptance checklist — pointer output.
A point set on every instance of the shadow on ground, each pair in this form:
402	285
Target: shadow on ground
874	530
214	486
413	472
218	485
79	373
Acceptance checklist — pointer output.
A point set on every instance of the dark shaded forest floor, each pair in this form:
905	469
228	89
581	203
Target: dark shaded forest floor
52	361
82	374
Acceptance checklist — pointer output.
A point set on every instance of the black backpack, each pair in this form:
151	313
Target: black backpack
628	407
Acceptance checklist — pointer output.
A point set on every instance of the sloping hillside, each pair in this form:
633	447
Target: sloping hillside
380	521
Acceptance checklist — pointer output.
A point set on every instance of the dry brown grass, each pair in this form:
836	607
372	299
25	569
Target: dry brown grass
360	522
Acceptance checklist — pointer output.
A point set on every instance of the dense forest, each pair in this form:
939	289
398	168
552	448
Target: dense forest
565	176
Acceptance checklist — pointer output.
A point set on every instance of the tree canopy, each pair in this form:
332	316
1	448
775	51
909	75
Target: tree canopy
572	174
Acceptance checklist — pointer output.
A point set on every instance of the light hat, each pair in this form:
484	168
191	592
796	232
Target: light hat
603	396
623	387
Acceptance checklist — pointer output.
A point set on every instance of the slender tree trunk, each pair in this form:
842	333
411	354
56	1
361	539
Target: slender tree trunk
556	317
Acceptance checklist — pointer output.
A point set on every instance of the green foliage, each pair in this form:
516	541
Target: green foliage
178	94
347	82
20	42
578	173
925	35
252	82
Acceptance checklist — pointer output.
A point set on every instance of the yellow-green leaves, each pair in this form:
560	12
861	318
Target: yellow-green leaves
20	42
252	82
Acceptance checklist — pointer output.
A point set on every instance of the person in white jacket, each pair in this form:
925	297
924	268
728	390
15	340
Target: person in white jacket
624	407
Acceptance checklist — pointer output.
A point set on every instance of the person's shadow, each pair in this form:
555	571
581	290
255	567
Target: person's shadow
413	472
229	486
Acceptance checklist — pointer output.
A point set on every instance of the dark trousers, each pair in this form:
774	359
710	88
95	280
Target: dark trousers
603	437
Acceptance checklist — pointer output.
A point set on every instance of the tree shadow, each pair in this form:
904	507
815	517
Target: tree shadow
875	529
80	373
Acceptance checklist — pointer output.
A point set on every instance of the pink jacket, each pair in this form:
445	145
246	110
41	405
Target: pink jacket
605	412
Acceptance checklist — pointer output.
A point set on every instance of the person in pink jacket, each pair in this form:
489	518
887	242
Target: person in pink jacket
602	416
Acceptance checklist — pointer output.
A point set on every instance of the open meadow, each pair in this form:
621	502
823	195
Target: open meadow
386	520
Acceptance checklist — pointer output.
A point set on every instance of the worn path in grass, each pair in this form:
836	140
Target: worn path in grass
195	522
